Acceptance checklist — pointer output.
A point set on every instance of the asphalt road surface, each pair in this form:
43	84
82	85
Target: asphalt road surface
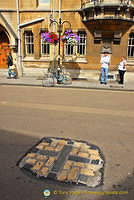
103	118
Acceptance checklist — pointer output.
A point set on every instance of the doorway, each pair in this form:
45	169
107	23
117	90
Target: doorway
4	48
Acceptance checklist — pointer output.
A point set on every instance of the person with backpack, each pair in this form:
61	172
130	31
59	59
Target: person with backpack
10	64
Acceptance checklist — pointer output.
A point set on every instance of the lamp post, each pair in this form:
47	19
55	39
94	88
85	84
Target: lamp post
59	30
19	39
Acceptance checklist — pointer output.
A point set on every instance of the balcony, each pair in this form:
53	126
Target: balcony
107	20
107	9
85	4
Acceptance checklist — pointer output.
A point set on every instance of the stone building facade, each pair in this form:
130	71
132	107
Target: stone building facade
102	25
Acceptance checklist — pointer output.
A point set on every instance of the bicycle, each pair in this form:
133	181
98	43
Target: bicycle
48	79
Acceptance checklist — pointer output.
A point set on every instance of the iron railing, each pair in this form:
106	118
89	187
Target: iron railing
85	3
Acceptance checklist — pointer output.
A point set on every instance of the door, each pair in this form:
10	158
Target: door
4	48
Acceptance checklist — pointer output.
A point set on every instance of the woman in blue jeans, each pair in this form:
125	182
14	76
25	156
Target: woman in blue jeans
105	60
10	63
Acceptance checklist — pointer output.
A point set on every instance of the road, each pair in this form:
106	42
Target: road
103	118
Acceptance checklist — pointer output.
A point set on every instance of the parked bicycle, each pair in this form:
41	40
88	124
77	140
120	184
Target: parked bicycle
48	79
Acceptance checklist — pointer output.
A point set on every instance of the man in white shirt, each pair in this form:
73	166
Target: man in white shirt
105	60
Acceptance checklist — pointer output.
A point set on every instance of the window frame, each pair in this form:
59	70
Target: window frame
44	44
29	46
130	48
43	2
69	48
83	44
45	5
74	49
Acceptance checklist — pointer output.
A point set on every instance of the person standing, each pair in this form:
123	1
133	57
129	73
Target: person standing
10	63
122	69
105	60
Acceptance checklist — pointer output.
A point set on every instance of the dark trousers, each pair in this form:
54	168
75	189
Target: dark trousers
121	73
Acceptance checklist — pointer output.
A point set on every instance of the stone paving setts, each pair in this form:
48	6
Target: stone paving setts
65	160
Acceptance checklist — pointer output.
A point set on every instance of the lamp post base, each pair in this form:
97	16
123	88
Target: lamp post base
58	73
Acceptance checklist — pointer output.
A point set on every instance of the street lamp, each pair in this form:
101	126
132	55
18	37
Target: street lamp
59	30
19	38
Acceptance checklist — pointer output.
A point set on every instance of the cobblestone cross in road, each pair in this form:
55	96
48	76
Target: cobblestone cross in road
65	160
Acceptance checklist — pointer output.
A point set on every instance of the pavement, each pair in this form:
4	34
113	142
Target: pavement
78	83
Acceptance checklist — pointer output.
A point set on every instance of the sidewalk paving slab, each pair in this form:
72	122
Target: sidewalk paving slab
85	84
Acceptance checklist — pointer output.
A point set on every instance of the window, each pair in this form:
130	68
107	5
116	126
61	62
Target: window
29	44
44	1
81	48
43	4
131	46
69	50
45	48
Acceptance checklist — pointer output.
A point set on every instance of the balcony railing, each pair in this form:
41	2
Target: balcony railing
85	3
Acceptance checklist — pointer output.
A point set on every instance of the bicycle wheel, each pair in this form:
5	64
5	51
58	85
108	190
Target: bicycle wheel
48	81
66	79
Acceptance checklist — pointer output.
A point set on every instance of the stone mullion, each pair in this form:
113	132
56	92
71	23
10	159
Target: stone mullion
37	41
23	43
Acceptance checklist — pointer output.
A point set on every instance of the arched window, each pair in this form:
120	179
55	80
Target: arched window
131	45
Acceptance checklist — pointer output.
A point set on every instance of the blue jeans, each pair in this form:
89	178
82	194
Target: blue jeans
104	74
10	72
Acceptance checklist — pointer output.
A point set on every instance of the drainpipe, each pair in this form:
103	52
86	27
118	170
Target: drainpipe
19	39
